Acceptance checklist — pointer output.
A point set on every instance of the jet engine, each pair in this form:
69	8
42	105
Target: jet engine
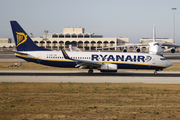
125	50
173	50
108	68
138	50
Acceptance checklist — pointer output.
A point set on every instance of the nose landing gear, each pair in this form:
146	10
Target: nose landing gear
155	72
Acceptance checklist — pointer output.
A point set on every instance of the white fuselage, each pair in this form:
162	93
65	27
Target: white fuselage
123	60
155	48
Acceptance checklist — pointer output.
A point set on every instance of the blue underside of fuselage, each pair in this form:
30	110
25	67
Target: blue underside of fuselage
73	64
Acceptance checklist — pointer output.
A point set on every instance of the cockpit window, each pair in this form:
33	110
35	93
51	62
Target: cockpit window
162	58
156	44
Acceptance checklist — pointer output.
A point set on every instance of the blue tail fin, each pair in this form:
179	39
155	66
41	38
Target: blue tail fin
22	40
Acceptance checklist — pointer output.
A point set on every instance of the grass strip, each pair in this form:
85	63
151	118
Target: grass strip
89	101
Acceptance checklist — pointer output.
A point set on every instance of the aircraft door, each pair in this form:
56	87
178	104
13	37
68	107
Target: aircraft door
153	61
39	57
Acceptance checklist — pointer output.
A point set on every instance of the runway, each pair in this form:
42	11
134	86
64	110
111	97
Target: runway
84	77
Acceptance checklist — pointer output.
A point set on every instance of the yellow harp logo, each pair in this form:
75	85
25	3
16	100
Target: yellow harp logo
21	38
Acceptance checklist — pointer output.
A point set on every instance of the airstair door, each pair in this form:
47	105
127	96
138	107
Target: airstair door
153	61
39	57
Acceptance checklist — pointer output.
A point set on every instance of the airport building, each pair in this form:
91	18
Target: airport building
77	37
161	40
6	44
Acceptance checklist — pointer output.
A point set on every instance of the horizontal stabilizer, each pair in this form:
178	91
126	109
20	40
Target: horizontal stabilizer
17	52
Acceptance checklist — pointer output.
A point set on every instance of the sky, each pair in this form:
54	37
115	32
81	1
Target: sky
111	18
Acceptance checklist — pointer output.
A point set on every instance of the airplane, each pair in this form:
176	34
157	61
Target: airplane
154	47
103	61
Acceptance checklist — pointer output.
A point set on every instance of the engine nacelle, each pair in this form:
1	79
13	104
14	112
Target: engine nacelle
173	50
124	50
138	50
108	68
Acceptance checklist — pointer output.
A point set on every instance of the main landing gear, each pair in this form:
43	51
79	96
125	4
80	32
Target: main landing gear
155	72
90	71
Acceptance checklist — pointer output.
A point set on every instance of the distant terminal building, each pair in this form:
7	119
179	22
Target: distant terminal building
77	37
161	40
6	44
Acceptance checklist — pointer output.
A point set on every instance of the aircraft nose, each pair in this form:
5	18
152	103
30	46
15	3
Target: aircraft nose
169	63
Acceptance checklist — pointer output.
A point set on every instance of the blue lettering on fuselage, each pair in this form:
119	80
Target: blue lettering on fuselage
95	57
103	57
134	59
128	58
119	58
141	58
110	58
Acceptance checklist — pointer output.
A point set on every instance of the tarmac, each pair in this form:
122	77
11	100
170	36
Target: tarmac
97	77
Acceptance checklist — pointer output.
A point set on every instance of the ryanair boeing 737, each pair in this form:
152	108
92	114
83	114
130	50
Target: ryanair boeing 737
103	61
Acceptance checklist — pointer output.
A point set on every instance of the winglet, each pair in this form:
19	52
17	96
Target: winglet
65	54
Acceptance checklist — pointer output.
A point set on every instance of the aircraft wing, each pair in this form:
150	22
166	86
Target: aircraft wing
132	45
172	49
23	53
171	45
87	64
82	63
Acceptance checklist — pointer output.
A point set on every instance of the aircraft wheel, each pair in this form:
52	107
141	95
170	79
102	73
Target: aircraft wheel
90	71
